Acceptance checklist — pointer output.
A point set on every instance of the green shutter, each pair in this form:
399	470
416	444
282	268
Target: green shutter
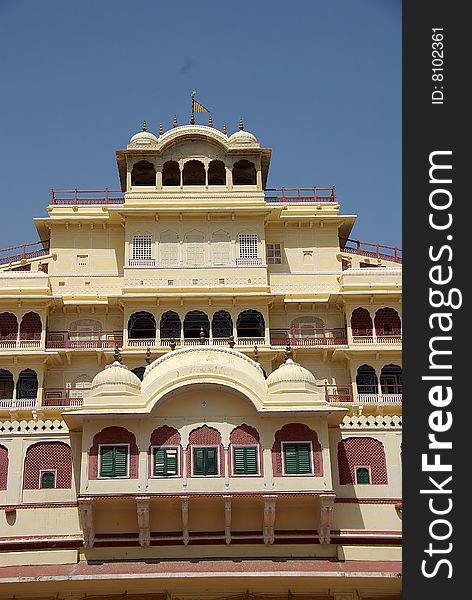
211	462
159	461
171	460
198	461
106	463
113	461
47	480
304	458
362	475
205	461
245	460
297	459
291	463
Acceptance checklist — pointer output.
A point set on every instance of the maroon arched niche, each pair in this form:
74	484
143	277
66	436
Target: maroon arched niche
48	456
30	327
114	435
245	435
3	467
296	432
361	322
8	326
205	436
361	452
387	322
164	436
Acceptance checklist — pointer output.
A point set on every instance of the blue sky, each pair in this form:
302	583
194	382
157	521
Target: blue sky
318	82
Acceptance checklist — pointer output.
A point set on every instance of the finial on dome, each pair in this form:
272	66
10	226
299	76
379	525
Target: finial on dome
256	354
174	124
144	125
241	124
117	354
225	129
148	356
288	354
202	335
231	341
210	121
172	344
161	129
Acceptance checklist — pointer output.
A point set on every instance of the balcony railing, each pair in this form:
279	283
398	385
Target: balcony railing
86	197
371	250
363	394
23	252
21	403
180	342
64	397
141	262
309	337
83	340
379	336
14	342
312	195
249	262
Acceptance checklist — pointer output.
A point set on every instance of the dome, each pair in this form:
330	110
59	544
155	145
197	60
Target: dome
291	376
116	379
143	138
243	137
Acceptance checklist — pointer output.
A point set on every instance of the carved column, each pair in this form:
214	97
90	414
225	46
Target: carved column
142	507
226	465
86	521
269	519
227	500
326	517
185	533
184	466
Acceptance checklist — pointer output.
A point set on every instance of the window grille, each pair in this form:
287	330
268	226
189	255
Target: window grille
82	260
274	254
142	247
247	245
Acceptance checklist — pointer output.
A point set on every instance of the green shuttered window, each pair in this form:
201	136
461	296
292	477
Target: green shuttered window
205	461
165	461
362	475
297	459
113	461
245	460
47	480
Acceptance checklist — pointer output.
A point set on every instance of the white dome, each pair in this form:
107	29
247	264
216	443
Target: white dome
290	375
243	137
143	138
116	379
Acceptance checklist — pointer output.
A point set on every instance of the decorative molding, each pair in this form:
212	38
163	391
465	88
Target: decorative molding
326	517
86	521
391	422
142	507
33	427
227	500
269	519
185	532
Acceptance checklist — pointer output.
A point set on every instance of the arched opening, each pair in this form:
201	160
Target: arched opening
194	173
361	460
6	385
250	324
85	330
244	173
143	173
141	325
8	326
222	324
366	380
387	322
139	372
30	328
48	457
361	323
27	384
170	325
194	322
391	379
307	327
217	173
171	173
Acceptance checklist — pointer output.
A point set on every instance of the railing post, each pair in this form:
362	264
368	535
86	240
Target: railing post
378	250
283	194
75	197
314	194
358	246
51	195
106	195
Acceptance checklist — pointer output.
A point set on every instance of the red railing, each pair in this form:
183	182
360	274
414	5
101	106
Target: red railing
83	340
388	393
300	195
63	396
309	337
371	250
84	197
24	251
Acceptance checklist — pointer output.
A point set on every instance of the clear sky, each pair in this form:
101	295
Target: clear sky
318	82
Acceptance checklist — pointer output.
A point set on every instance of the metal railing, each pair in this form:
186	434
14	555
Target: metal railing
371	250
363	394
377	336
83	340
58	397
86	197
312	195
308	337
24	252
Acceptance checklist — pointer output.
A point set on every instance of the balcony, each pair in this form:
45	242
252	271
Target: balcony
13	343
86	197
63	397
308	337
378	251
18	403
393	337
390	394
143	263
312	195
23	252
76	340
181	342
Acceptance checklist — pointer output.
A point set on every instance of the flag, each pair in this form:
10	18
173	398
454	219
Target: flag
197	107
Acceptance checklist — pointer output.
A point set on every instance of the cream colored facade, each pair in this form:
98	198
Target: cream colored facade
242	306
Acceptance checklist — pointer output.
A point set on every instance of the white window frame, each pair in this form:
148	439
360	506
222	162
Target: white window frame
247	249
218	460
41	476
141	247
369	469
312	465
178	475
280	245
128	453
258	455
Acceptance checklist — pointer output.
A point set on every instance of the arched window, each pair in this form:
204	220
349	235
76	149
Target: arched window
297	451
217	173
222	324
307	327
387	322
194	173
361	460
244	173
366	380
143	173
206	452
170	325
391	379
171	173
114	454
169	249
245	454
48	457
221	248
139	372
141	325
141	247
250	323
30	328
48	479
194	322
27	386
195	247
164	452
3	467
6	385
361	323
8	326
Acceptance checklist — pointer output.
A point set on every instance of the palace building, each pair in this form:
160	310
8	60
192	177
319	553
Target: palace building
200	387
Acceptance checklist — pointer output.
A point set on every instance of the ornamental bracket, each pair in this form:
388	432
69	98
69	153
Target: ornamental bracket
142	508
227	500
326	517
86	521
185	532
269	519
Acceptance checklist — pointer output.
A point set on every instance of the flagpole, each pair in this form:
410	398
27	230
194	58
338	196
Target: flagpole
192	117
